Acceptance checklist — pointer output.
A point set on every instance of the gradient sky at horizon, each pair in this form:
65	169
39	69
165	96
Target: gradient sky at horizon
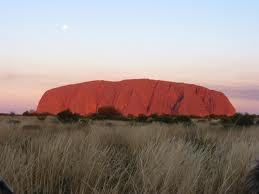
45	44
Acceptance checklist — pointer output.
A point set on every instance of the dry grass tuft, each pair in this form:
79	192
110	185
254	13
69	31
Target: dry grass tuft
121	157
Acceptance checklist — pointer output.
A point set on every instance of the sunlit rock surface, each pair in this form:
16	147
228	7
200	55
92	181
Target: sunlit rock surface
137	96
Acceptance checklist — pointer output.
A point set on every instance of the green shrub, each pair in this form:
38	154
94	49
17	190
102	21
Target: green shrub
226	122
183	119
236	117
29	113
12	114
131	117
42	117
107	112
243	120
26	113
68	117
163	118
141	118
83	121
213	117
154	116
96	116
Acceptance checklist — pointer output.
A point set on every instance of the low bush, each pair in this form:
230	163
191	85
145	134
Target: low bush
107	112
213	117
242	120
68	117
42	117
29	113
131	117
84	122
245	120
141	118
163	118
183	119
12	114
226	122
26	113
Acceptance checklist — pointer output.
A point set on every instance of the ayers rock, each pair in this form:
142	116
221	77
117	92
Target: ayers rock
137	96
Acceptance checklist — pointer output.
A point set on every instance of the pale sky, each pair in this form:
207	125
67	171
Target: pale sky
45	44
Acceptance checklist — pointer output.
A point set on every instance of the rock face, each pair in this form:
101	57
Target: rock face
134	97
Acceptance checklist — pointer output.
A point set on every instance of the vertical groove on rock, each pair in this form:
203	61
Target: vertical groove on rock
97	96
151	98
168	100
175	109
129	99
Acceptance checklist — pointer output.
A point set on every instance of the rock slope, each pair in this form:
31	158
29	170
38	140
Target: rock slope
137	96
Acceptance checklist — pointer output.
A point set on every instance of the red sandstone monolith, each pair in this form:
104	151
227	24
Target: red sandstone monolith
137	96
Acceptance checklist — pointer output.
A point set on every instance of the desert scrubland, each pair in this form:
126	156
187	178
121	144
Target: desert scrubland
47	156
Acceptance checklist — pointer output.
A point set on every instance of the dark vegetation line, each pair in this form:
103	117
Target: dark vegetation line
110	113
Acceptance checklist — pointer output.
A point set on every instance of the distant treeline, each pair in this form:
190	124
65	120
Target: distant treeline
109	112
